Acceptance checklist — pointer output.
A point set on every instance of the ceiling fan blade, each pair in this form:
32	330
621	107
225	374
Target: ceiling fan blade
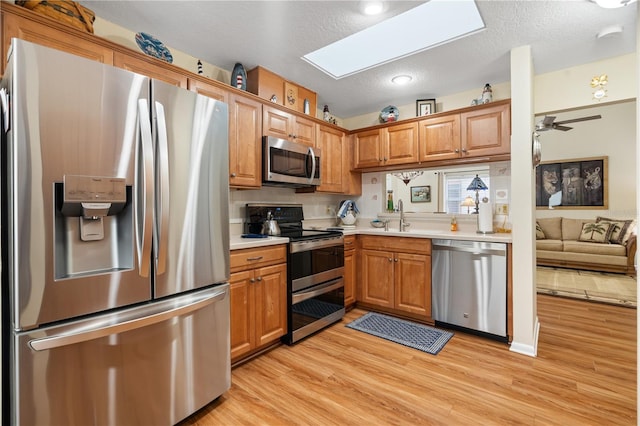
575	120
563	128
548	120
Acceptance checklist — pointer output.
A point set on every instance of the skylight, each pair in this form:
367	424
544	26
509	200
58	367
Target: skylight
431	24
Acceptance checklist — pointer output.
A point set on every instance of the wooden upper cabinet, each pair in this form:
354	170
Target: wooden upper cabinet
51	35
245	142
401	144
207	89
334	166
367	149
245	133
486	131
284	125
387	146
148	68
439	138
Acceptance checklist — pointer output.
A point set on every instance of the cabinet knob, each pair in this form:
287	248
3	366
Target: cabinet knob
395	260
252	280
259	279
233	175
390	259
464	150
457	150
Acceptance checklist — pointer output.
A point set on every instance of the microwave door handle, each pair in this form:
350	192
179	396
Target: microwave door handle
313	164
143	200
162	206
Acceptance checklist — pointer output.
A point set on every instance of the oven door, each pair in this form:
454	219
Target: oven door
288	162
312	262
316	307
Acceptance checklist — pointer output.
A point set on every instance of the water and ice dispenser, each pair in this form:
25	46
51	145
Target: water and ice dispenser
93	226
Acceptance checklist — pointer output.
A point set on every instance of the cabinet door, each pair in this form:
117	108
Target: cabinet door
487	131
440	138
210	90
245	142
271	303
25	29
367	149
377	277
413	283
304	131
349	276
150	69
401	144
334	167
241	296
276	123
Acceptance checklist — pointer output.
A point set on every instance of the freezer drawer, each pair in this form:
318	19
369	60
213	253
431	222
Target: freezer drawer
154	364
469	285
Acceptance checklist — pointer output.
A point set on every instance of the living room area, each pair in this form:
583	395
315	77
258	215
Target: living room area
586	206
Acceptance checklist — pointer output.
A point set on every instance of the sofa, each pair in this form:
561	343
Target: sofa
600	244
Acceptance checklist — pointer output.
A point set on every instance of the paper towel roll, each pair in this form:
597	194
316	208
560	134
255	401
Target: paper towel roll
485	218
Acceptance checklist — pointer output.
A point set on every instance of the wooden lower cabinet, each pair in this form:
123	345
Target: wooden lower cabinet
349	270
258	299
395	274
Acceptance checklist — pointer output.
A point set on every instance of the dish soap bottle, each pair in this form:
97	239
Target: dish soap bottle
390	201
454	224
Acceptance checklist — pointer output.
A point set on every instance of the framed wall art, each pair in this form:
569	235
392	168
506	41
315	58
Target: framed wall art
425	107
421	194
572	184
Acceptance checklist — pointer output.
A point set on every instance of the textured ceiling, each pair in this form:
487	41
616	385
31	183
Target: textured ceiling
275	34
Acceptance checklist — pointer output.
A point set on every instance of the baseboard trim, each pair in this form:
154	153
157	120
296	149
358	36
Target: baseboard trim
529	350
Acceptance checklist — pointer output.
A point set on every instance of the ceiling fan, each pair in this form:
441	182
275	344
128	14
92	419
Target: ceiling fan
549	123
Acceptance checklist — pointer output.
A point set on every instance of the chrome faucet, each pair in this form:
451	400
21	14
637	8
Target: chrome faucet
403	224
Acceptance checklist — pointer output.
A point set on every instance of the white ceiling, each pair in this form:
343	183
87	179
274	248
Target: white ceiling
276	34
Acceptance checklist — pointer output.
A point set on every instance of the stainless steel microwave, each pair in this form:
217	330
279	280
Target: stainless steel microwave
287	163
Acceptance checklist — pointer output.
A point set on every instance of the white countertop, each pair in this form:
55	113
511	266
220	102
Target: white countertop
237	242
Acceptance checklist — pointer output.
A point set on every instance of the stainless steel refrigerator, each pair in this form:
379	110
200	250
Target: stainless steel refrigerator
115	244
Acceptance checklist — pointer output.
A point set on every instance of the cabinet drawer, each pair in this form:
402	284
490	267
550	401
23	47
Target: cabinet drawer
349	242
405	245
242	260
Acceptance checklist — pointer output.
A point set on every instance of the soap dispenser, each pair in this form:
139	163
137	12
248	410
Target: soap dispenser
454	224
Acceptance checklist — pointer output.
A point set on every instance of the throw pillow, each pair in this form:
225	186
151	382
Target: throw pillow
595	232
621	229
539	232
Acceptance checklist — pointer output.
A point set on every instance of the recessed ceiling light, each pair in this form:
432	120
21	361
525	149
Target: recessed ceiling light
401	79
372	7
612	4
425	26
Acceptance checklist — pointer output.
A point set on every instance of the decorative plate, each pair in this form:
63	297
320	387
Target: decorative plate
153	47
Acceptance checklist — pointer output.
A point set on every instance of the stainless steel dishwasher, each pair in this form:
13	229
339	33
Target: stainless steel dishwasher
469	286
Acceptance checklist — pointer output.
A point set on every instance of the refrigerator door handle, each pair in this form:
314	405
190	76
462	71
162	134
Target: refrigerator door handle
162	207
144	190
83	334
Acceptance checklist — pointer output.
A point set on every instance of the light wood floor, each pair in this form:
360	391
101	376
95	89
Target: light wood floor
585	374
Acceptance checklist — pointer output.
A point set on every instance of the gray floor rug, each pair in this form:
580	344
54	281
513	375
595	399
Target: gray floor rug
407	333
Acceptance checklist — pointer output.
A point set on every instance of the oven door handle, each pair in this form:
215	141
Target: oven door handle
317	290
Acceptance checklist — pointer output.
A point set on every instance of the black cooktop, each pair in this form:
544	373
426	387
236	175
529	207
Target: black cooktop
289	218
